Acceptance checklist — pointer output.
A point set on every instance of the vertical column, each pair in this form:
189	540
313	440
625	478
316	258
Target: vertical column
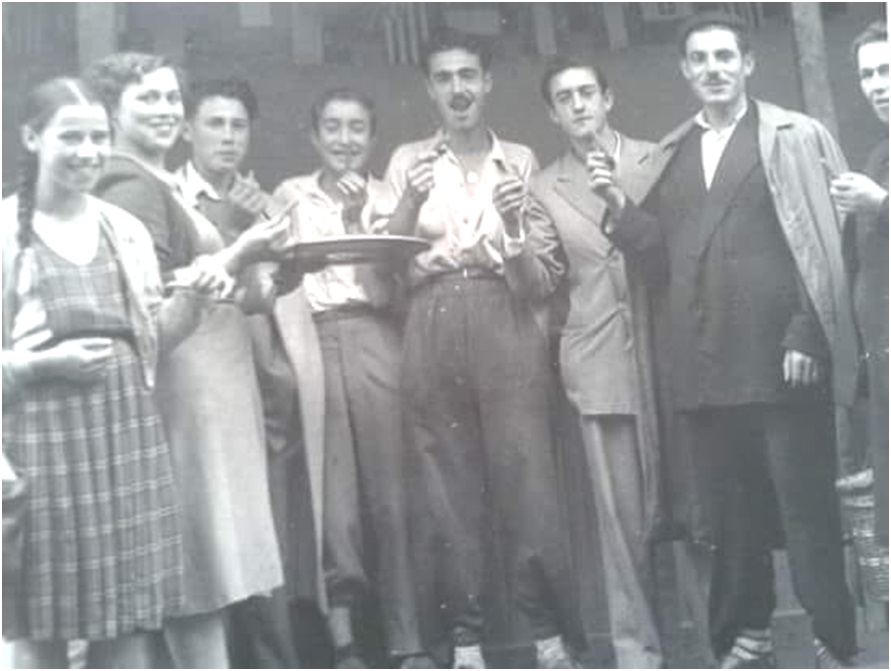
544	29
424	22
810	47
616	30
307	25
97	31
413	47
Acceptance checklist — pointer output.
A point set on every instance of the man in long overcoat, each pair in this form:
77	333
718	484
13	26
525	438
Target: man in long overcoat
742	244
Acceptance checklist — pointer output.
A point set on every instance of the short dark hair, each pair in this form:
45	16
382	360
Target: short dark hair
229	87
705	20
877	31
560	64
447	40
342	94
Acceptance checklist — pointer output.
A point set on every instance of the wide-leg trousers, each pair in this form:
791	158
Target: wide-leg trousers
365	529
614	465
489	549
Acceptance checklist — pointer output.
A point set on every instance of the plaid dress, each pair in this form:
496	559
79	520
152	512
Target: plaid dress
103	547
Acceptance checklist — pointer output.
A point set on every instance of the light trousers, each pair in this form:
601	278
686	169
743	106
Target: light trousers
612	452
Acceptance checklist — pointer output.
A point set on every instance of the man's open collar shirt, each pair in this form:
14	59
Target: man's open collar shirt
458	217
193	186
715	141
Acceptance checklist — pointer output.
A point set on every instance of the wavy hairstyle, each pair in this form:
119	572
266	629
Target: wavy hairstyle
109	76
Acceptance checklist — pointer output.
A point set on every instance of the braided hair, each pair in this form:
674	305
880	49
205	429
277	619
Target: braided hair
41	106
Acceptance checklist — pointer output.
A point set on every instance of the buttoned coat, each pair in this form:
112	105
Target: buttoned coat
605	348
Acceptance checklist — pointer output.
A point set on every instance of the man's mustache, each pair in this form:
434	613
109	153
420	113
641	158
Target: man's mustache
460	100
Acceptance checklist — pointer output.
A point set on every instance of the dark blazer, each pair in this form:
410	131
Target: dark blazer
791	147
734	299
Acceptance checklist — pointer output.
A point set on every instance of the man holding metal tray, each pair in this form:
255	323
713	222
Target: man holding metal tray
364	519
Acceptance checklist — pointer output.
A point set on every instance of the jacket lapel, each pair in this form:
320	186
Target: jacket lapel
571	185
740	158
572	179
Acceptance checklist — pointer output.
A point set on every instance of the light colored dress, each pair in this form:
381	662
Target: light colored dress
208	396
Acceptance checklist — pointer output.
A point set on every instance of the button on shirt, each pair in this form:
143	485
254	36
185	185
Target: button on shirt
458	217
317	215
714	142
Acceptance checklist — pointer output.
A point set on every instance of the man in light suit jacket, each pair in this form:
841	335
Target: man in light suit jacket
605	352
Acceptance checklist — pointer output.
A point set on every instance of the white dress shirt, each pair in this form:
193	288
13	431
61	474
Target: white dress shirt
714	142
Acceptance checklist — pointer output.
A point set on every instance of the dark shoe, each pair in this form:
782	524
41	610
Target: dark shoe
738	658
827	660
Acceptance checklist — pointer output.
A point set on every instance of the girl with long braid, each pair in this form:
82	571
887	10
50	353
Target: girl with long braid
83	322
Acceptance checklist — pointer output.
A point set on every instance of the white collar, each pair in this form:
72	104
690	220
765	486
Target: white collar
193	185
702	120
496	153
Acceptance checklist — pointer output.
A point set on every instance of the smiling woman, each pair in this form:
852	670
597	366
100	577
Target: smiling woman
82	323
207	390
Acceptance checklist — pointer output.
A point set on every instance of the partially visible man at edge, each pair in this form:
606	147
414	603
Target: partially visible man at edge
865	196
739	234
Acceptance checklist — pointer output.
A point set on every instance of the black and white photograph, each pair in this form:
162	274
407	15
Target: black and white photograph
431	335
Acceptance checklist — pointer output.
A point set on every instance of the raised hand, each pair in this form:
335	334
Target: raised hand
419	179
247	194
602	180
509	197
855	193
353	186
265	240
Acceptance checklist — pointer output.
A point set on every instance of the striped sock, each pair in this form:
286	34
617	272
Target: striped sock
751	644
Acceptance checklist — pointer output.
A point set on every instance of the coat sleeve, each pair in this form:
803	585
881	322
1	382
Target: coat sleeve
173	317
536	272
145	202
804	333
640	236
